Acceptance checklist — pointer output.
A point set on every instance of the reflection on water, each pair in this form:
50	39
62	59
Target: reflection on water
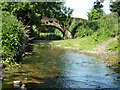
58	68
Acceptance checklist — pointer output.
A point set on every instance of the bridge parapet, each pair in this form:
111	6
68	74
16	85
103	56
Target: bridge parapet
51	22
46	19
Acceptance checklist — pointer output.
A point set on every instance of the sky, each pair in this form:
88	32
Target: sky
81	7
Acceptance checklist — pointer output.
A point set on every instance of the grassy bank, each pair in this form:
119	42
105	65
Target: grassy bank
88	46
88	35
85	43
113	46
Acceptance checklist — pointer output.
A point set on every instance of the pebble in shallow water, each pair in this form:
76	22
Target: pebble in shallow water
17	83
24	86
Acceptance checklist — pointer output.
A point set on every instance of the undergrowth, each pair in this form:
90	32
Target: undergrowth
12	40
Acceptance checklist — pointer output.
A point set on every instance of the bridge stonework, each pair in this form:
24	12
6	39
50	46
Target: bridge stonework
52	22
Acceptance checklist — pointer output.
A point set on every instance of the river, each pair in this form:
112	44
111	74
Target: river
53	67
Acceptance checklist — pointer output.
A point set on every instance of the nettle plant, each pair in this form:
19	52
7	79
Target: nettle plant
12	39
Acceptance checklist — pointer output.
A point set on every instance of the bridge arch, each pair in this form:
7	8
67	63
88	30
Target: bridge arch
51	22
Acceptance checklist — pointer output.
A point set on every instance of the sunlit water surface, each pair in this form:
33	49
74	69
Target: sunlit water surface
51	67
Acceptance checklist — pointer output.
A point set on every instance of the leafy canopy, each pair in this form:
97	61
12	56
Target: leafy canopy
30	13
115	7
96	12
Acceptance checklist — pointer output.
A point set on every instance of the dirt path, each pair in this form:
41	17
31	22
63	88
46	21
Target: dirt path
99	51
102	52
101	47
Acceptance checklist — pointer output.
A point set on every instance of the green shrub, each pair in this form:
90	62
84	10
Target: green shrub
111	15
50	36
35	32
86	28
74	26
99	30
58	32
12	39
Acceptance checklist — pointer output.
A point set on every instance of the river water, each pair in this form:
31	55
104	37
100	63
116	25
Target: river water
53	67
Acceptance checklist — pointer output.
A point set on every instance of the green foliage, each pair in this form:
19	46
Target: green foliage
97	5
12	39
0	32
58	32
30	13
86	28
96	12
65	19
115	7
47	29
111	15
50	36
36	32
113	46
95	31
98	28
73	28
27	12
47	33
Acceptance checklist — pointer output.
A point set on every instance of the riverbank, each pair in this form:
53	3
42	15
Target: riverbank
53	67
86	46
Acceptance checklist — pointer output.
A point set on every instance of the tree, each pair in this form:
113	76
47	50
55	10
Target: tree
115	7
65	20
31	13
96	12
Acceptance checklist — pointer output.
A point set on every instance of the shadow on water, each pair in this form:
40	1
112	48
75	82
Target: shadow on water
51	67
42	41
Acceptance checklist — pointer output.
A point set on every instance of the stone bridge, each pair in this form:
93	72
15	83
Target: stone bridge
52	22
